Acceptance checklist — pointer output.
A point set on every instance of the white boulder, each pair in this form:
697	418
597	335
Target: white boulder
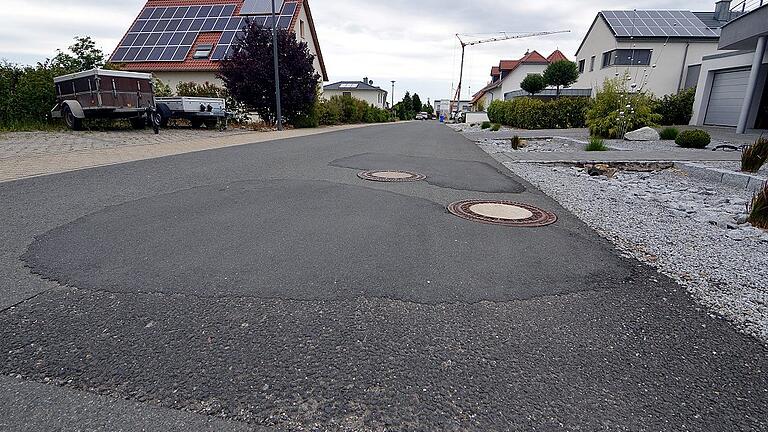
642	134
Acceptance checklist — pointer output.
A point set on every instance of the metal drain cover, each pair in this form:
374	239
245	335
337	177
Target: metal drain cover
391	176
507	213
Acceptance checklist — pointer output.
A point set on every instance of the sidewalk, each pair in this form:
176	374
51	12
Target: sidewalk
90	150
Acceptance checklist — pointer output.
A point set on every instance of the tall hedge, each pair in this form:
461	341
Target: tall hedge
529	113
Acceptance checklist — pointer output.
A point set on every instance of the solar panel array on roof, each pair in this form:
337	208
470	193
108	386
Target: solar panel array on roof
259	7
168	33
660	23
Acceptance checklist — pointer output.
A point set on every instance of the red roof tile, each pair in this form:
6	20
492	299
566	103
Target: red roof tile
556	56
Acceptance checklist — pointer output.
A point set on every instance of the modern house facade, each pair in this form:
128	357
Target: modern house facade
507	76
185	40
733	87
659	50
363	90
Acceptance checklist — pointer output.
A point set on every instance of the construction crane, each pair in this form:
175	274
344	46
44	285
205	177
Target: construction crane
504	36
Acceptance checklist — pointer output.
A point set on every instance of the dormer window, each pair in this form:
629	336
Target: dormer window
202	52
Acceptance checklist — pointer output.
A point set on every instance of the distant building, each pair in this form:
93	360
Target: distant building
507	76
444	106
184	40
363	90
660	50
733	85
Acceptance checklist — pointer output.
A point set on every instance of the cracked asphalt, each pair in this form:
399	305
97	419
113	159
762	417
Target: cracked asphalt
265	287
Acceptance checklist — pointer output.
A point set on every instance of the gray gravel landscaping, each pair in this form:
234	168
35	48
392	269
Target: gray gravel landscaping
692	232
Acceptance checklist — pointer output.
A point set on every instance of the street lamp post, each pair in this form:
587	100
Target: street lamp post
393	94
277	69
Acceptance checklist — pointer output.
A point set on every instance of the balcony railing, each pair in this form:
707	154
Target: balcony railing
748	5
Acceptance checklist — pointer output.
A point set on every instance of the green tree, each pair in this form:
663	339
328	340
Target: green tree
416	101
82	55
561	74
404	108
249	77
533	84
429	109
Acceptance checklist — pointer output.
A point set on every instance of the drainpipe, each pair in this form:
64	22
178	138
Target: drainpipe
752	84
682	70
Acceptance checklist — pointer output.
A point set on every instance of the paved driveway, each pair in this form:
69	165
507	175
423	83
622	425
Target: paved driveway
268	286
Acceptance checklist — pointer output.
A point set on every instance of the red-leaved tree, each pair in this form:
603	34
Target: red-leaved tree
249	74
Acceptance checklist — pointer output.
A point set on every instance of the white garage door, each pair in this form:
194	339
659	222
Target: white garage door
728	92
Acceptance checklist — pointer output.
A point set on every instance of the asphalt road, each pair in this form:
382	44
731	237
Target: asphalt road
267	287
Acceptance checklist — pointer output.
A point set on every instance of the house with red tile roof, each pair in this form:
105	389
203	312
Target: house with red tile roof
185	40
507	76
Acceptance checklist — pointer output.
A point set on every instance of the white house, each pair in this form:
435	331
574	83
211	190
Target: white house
184	40
733	85
507	76
443	106
363	90
656	48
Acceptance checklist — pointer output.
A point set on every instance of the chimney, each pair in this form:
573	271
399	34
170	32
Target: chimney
723	10
365	80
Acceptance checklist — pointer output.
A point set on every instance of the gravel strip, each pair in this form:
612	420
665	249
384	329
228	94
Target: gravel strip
689	231
734	166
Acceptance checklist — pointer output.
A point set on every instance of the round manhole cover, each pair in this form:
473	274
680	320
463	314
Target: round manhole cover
391	176
507	213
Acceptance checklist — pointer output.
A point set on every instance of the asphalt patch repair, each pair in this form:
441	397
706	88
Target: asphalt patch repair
314	240
446	173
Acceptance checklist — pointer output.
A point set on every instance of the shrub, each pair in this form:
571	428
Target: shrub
758	208
495	127
161	89
596	144
696	138
348	110
676	109
609	117
753	157
486	125
529	113
669	133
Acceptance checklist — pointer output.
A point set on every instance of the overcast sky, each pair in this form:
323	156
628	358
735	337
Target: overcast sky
412	42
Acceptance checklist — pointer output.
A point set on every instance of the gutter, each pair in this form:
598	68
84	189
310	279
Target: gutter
682	69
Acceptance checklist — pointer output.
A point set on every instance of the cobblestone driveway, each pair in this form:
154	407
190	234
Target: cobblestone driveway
29	154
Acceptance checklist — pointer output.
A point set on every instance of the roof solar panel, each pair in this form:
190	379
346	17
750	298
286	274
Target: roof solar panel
657	24
168	33
260	7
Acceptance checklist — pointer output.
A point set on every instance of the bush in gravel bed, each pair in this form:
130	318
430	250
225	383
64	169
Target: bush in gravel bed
495	128
676	109
517	143
753	157
617	110
696	138
758	208
596	144
486	125
669	133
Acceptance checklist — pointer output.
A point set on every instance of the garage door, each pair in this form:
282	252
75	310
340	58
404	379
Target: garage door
728	91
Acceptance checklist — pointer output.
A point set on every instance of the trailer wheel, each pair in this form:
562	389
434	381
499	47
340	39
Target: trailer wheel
72	122
138	123
196	123
212	123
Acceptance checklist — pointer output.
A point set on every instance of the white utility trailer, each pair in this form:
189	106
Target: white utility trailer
211	112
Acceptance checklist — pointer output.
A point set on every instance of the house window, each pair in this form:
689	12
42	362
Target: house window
581	66
592	64
301	25
627	57
202	52
346	94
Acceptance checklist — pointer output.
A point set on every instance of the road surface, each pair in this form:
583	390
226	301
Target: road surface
266	287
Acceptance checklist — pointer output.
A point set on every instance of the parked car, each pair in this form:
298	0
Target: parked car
211	112
422	116
109	94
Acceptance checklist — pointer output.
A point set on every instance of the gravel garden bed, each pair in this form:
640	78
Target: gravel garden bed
696	233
